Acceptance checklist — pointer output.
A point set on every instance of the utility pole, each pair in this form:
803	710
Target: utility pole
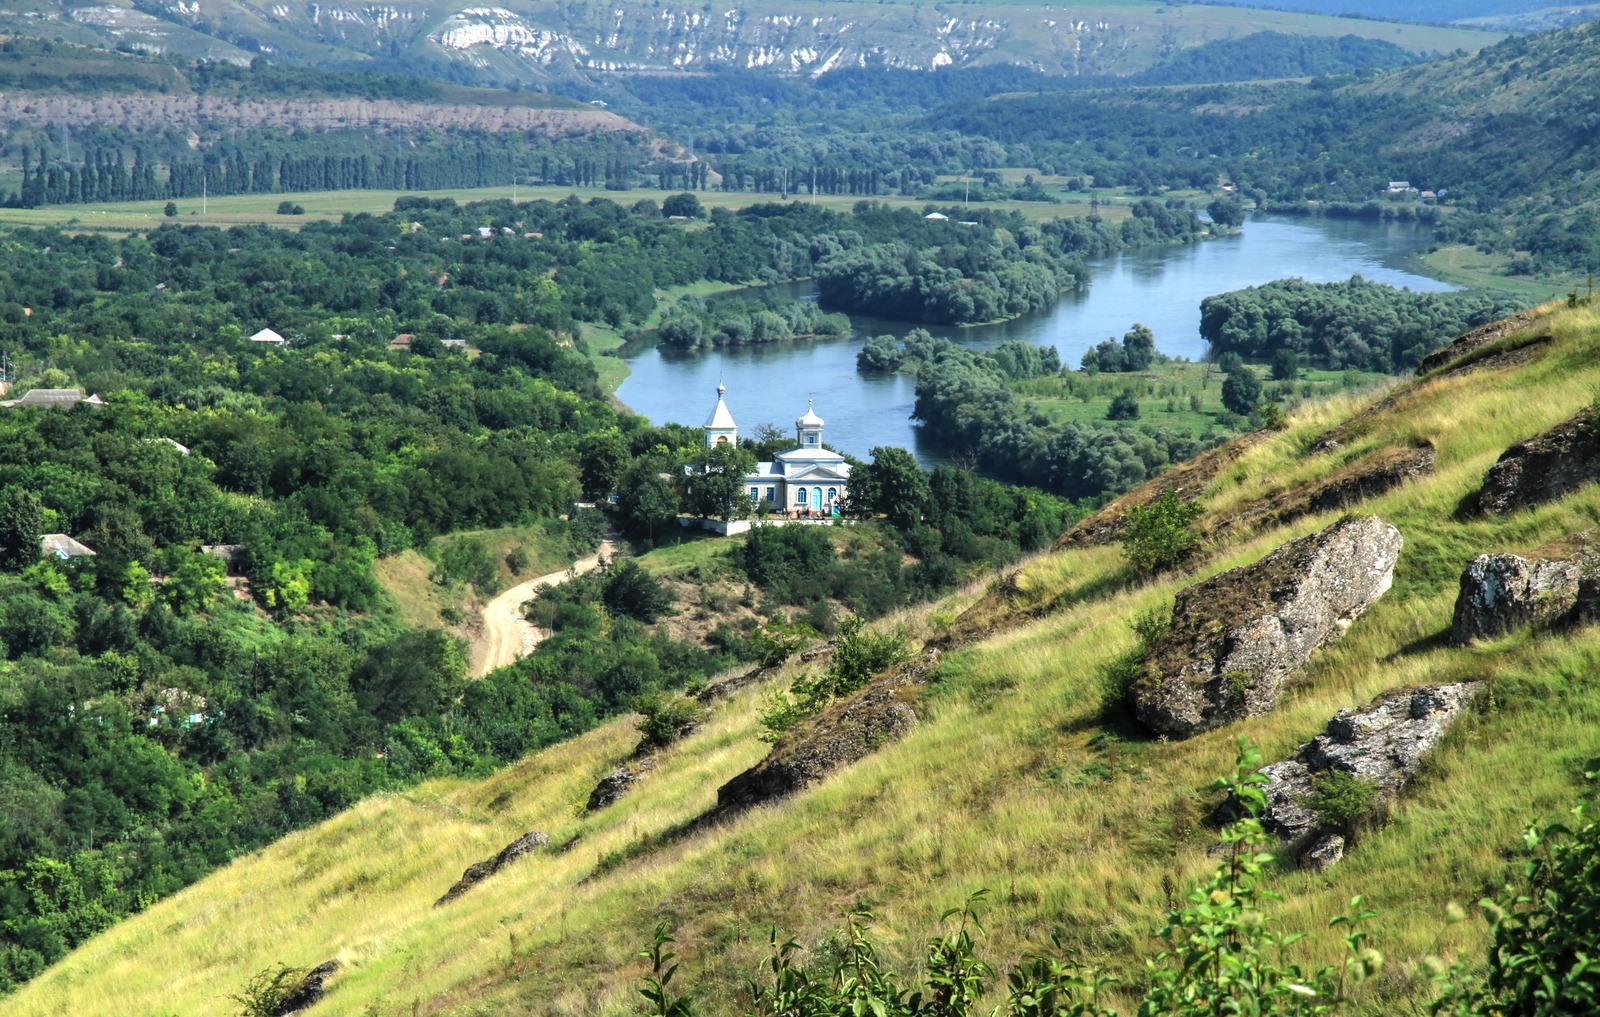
204	179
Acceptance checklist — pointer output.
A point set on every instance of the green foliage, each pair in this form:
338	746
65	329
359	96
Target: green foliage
1241	391
1222	956
1355	323
630	590
775	643
1226	212
666	717
21	528
1124	406
685	204
1117	676
267	991
194	583
858	654
586	529
715	487
466	560
655	987
601	464
1339	800
517	560
1285	365
1157	536
1544	935
692	323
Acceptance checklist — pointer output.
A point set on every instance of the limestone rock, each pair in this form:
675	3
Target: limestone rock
1363	479
309	992
1237	637
477	872
1383	743
1544	467
1325	853
1471	342
618	783
1558	582
842	734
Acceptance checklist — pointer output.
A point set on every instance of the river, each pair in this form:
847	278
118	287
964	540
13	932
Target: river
1158	287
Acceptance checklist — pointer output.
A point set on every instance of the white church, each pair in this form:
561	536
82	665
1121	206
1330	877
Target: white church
807	480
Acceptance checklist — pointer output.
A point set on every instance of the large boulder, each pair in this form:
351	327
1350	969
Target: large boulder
1237	637
1558	582
1544	467
1382	743
477	872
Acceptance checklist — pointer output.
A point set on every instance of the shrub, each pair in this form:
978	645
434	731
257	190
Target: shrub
1339	800
517	560
1285	365
265	994
586	529
666	717
685	204
630	590
858	654
1118	675
1123	406
1157	535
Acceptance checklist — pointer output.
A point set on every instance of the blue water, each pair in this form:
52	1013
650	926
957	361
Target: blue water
1158	287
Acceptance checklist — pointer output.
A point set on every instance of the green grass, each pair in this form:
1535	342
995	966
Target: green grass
1467	266
1165	391
1009	781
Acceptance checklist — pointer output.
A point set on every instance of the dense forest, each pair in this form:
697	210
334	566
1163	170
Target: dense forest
693	323
1354	323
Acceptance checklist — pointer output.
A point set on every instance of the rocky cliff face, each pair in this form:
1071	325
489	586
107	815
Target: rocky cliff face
1544	467
1237	638
1503	592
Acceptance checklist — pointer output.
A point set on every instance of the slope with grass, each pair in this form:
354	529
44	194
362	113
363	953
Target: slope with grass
1014	779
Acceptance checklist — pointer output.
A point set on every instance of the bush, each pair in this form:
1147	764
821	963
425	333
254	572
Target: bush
858	654
630	590
685	204
1123	406
666	717
1118	675
1339	800
1285	365
1226	212
268	991
1157	535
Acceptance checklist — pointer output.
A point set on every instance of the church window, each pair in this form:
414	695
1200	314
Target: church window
753	494
770	493
811	439
833	495
722	439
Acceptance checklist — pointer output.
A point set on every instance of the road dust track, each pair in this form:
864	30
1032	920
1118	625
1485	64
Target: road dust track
507	636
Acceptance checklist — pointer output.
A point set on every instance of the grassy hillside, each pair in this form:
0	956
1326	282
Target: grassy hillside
1011	781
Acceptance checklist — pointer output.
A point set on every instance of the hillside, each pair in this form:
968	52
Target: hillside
530	42
1013	778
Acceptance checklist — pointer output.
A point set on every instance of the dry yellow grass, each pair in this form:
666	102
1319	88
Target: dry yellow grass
1001	785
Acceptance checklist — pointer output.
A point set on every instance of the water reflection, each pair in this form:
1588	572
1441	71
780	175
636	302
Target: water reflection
1161	288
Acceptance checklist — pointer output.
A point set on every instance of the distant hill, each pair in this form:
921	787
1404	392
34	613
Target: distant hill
520	40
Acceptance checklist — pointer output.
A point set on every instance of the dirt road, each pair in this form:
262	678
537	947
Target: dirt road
508	636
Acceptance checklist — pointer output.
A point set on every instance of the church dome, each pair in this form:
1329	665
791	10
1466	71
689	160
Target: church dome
810	419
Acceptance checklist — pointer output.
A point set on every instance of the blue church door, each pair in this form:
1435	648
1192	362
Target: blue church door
816	499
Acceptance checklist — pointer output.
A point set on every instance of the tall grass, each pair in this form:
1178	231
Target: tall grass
1013	780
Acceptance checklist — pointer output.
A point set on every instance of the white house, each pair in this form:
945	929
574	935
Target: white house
807	480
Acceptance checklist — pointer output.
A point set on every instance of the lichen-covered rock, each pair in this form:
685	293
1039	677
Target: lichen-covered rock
1383	743
477	872
1325	853
1237	637
1556	583
618	783
1544	467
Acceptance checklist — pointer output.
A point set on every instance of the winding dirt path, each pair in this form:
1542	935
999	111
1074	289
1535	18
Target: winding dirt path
507	636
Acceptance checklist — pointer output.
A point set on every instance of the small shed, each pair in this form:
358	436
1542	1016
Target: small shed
937	215
401	341
267	335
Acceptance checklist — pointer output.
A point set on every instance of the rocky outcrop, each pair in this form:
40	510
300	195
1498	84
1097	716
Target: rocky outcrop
1189	479
878	713
309	992
1382	743
1544	467
477	872
1366	478
1472	342
618	783
1237	637
1559	582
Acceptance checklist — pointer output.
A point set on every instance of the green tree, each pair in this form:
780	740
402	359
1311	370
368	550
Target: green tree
685	204
892	485
1241	391
194	583
291	585
1138	348
646	498
601	464
1285	365
1123	406
21	528
630	590
1226	212
715	488
1157	535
